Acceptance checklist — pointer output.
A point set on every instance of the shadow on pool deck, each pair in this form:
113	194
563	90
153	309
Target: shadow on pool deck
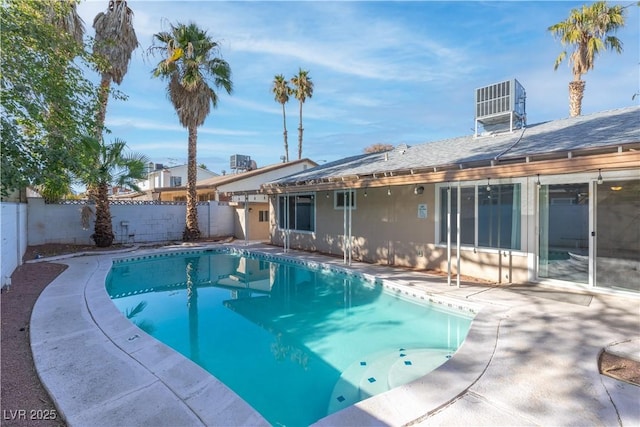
529	359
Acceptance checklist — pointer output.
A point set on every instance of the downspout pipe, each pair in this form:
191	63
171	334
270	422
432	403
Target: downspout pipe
285	225
350	224
344	229
246	219
449	235
458	235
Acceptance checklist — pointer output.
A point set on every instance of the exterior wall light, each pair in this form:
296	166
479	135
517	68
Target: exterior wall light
600	180
418	190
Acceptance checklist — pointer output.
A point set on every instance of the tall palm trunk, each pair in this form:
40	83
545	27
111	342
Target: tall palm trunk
103	230
286	143
191	231
103	99
576	93
300	130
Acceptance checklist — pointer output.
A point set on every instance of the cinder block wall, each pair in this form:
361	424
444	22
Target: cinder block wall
62	223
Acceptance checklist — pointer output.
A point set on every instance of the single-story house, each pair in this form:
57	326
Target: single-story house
555	202
241	190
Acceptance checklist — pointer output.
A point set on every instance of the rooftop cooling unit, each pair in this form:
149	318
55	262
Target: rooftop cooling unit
240	162
501	106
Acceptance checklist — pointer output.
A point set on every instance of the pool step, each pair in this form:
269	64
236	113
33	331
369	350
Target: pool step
379	372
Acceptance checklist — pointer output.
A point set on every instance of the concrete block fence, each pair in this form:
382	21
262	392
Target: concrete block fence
133	222
37	223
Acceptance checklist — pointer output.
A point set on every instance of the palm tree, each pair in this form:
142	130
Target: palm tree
303	89
68	22
114	43
191	66
587	30
103	166
281	92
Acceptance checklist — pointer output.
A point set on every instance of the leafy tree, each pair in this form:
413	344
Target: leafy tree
303	89
103	166
588	31
191	67
281	92
58	185
114	43
378	148
47	103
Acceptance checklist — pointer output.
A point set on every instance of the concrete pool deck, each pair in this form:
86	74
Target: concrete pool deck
531	358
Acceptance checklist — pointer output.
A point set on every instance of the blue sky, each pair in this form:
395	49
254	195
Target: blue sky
384	72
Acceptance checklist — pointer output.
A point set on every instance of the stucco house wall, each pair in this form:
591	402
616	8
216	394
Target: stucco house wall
387	229
586	169
252	228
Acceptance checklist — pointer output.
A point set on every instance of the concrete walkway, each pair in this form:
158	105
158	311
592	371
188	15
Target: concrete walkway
529	359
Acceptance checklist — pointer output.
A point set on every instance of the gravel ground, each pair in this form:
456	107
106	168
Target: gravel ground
25	402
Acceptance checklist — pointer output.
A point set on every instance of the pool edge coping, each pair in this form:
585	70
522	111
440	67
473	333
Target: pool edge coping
401	405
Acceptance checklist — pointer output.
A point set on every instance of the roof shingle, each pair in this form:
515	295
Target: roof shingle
598	130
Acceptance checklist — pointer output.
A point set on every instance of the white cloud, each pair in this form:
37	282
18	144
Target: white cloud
143	124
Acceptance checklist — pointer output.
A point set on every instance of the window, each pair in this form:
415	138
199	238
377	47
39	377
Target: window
490	216
467	218
175	181
297	212
263	216
339	197
499	216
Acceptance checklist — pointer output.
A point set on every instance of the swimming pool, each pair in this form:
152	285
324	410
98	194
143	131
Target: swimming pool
297	342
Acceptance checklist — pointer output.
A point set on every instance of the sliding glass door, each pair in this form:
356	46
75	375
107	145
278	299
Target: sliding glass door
564	232
618	235
591	237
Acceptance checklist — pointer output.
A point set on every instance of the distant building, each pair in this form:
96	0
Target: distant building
160	177
241	190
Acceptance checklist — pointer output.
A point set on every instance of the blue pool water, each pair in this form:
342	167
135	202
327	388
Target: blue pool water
296	343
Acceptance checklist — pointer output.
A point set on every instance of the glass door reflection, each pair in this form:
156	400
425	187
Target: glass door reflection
618	235
564	232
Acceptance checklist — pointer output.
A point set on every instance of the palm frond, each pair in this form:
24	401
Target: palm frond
115	39
588	31
131	313
193	70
